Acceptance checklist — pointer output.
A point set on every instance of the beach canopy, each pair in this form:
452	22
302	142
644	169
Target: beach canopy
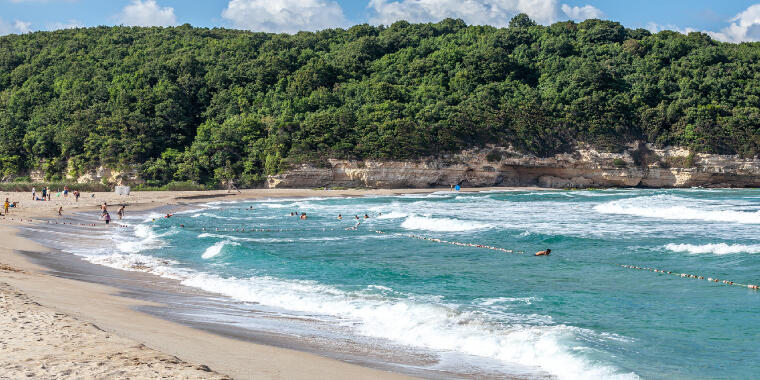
122	190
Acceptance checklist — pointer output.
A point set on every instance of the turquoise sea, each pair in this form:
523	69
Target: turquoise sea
576	314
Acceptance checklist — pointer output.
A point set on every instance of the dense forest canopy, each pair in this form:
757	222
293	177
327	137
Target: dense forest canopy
204	105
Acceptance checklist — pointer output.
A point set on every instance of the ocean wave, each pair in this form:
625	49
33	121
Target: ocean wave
718	249
672	208
432	326
428	322
217	248
414	222
147	238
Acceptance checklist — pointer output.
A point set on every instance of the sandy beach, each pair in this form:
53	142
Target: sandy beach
54	327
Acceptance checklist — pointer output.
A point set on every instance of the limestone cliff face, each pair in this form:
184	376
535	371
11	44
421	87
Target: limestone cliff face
641	165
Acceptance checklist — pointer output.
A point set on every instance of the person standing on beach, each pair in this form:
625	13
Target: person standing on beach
107	217
60	211
103	209
120	213
6	205
48	193
34	193
44	193
76	195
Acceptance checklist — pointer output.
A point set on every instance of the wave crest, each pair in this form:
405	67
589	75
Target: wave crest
718	249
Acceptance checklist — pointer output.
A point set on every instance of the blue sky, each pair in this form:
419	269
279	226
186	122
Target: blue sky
732	20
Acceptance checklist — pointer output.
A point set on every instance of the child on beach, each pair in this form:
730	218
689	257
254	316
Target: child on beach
6	205
107	217
76	195
60	211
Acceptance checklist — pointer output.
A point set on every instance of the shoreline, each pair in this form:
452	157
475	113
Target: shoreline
111	311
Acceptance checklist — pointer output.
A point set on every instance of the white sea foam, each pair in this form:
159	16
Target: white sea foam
217	248
674	208
393	215
414	222
718	249
432	326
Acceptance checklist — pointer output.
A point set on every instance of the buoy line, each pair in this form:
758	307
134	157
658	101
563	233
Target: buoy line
693	276
69	223
473	245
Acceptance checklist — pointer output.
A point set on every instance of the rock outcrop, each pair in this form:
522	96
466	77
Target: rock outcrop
639	166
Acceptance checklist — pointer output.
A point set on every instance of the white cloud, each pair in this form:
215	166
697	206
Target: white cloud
15	27
582	13
478	12
289	16
147	13
70	24
745	27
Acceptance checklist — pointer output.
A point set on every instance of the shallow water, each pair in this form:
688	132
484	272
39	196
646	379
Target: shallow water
575	314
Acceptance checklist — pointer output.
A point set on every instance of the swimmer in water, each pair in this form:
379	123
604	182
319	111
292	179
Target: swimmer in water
366	216
544	253
340	217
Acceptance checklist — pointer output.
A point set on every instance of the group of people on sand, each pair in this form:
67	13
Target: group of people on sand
7	205
106	216
46	194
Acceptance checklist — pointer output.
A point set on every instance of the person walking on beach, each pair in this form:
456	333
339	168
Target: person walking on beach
103	209
120	213
76	195
60	211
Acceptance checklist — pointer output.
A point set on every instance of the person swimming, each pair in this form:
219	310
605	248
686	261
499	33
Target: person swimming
366	216
544	253
303	216
340	217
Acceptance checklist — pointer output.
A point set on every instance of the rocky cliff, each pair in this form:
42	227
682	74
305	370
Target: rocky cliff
641	165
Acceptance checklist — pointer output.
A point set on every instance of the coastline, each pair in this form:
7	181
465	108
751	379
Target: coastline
113	313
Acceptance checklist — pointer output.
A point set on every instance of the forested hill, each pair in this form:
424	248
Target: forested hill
202	104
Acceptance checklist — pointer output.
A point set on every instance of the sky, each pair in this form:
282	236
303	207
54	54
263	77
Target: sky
726	20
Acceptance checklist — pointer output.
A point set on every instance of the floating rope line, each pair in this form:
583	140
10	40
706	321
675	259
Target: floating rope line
243	229
67	223
473	245
686	275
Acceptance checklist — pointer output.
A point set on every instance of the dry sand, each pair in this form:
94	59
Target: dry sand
52	327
